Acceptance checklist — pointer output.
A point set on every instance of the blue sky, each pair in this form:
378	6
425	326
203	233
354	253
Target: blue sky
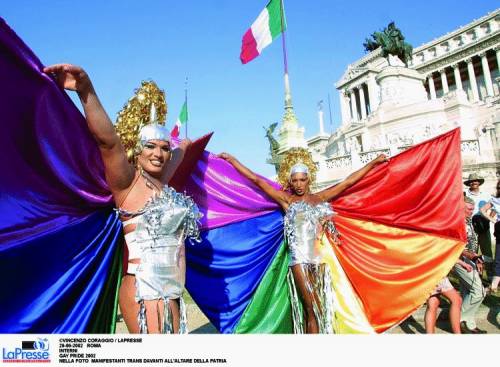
123	42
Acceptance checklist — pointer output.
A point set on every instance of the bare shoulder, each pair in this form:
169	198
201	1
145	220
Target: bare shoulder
121	195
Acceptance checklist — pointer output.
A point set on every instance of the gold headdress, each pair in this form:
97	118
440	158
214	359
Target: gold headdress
138	112
298	158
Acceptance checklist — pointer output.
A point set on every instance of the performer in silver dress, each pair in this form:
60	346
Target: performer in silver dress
138	163
307	217
161	228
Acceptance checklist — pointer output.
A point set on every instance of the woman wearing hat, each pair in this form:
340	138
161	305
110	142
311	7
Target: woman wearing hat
156	219
307	216
481	225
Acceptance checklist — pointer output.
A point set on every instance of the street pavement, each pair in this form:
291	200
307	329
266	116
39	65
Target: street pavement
488	318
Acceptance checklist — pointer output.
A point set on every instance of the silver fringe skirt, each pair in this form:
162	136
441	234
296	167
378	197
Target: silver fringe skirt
319	285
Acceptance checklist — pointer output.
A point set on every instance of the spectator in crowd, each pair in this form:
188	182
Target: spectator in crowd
493	206
471	287
481	225
445	289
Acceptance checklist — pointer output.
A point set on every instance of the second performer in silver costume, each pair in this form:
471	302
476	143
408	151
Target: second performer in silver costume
307	217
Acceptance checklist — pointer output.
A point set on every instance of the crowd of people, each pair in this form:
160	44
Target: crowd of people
476	265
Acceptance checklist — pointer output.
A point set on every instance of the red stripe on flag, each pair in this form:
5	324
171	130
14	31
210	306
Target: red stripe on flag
175	131
248	47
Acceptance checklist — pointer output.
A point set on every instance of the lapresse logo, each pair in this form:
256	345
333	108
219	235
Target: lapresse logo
31	351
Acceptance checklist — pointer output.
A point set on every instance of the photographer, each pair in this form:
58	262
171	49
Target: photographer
471	287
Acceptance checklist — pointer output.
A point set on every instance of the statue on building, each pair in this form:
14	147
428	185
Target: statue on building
392	42
273	146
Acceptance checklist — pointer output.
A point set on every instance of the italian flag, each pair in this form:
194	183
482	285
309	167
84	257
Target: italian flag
263	31
181	120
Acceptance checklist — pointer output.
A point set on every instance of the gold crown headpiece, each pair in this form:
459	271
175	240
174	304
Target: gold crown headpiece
296	160
146	106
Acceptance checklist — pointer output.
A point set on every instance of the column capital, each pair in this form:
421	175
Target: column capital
496	48
482	54
430	75
468	60
442	70
455	66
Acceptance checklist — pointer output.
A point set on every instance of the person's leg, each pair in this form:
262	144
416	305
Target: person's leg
175	309
482	228
431	314
128	306
154	314
306	295
472	295
496	277
455	308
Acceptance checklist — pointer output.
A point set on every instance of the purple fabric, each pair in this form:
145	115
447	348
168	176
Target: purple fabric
223	195
52	172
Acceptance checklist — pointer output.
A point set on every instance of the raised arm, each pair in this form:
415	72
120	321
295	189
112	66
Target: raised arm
279	196
329	193
119	172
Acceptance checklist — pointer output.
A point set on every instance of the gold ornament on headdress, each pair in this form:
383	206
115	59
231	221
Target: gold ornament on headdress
137	113
292	157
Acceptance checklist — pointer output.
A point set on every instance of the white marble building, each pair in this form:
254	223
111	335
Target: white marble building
451	81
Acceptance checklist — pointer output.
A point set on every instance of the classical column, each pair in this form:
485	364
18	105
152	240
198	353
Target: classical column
497	50
373	93
458	80
344	108
432	89
472	80
444	81
486	74
320	118
362	101
354	105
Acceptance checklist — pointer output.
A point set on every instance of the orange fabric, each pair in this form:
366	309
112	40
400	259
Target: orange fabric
393	270
402	228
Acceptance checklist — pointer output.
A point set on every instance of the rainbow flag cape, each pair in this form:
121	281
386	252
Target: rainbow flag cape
402	226
401	229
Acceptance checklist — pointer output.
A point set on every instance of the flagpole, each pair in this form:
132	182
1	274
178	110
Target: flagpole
288	93
283	41
186	101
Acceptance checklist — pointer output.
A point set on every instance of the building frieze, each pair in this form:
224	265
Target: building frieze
355	73
460	54
460	31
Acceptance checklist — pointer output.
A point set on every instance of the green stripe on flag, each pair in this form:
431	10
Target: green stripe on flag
269	311
274	10
183	116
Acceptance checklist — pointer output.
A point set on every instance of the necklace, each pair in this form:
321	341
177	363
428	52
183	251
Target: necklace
149	181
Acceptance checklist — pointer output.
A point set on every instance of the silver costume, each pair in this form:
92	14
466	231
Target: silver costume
304	226
164	223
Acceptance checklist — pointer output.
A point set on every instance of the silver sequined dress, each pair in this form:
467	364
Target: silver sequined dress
304	225
164	223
